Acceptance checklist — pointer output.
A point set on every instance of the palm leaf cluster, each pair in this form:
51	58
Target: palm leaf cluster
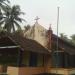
4	3
10	18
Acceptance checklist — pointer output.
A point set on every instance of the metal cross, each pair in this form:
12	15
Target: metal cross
37	18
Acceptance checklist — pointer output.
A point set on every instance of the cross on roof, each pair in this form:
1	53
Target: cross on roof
50	27
37	18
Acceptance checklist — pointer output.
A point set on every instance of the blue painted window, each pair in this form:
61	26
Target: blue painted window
33	59
58	59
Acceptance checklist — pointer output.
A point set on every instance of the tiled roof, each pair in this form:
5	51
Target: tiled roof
63	44
28	44
24	43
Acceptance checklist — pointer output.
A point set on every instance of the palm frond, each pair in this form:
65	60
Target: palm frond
11	18
8	1
1	23
7	27
22	13
5	4
13	27
19	19
17	25
4	1
2	7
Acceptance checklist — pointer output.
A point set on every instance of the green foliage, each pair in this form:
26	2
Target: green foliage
27	27
63	36
3	4
12	19
10	16
73	38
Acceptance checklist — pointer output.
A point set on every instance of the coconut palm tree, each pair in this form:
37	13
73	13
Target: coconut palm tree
4	3
12	18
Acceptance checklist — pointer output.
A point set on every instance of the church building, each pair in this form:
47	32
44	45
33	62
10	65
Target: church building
38	51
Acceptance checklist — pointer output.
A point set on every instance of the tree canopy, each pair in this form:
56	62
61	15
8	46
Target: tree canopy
3	4
71	39
10	18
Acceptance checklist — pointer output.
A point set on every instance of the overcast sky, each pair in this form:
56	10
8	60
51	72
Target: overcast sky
46	10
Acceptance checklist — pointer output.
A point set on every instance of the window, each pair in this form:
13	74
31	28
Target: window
33	59
40	60
25	60
72	61
58	59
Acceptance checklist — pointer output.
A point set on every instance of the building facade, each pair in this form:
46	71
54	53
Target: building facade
36	53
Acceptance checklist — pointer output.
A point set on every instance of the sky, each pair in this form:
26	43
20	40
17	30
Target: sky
46	10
